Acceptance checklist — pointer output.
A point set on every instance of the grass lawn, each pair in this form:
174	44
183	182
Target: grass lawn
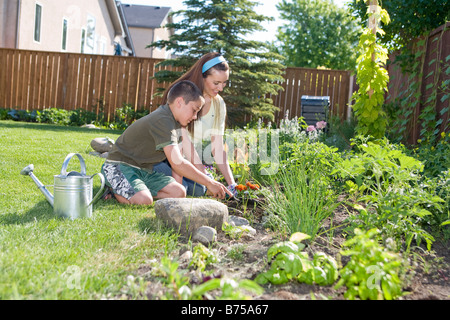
46	257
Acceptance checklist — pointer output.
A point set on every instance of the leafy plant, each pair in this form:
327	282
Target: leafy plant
399	215
372	79
372	271
202	257
289	262
388	181
378	165
180	288
434	156
174	279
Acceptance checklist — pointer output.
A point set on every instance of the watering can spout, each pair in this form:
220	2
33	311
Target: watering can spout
28	171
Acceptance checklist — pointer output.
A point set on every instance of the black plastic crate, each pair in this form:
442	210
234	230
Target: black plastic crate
315	108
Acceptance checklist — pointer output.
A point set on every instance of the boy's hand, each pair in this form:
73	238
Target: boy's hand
217	190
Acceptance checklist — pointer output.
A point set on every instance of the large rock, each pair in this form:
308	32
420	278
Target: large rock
186	215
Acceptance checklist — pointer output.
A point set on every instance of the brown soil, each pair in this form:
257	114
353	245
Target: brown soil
427	279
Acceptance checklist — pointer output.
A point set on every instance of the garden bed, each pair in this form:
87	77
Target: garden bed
427	279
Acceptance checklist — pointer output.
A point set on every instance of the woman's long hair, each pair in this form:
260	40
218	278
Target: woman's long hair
196	76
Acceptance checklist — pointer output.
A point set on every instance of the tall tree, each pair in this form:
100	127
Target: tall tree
224	26
317	33
409	19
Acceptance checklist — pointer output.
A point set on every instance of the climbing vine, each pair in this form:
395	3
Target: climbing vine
372	77
430	121
406	106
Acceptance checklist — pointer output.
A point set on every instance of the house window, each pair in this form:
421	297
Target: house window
64	34
83	39
37	23
90	35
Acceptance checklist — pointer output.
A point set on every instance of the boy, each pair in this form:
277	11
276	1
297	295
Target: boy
150	140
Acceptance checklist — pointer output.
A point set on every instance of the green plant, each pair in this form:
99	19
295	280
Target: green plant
174	279
439	219
372	78
378	165
236	252
301	197
399	214
388	181
288	262
54	116
180	288
202	257
435	156
372	272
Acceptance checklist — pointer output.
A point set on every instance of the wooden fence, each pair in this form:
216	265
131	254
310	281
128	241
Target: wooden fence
35	80
313	82
434	72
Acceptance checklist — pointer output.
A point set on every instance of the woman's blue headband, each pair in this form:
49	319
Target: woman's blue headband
211	63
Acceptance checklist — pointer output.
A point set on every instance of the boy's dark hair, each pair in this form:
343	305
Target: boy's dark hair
185	89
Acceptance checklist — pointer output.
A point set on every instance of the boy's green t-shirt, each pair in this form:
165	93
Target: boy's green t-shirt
141	145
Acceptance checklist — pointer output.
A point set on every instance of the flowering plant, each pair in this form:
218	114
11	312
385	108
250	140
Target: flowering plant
248	185
314	132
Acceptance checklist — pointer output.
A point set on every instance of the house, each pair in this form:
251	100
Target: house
146	25
82	26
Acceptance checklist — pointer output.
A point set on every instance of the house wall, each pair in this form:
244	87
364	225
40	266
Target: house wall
142	37
8	23
77	14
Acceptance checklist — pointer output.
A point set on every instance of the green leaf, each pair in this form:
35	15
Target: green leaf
285	247
299	237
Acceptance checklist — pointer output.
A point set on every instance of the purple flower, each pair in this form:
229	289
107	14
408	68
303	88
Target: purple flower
310	128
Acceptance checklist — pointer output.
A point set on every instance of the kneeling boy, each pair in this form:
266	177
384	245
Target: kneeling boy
150	140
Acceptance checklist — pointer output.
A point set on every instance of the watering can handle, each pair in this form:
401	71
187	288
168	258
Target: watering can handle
99	193
66	162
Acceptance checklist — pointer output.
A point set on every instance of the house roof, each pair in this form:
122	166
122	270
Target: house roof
127	35
115	17
145	16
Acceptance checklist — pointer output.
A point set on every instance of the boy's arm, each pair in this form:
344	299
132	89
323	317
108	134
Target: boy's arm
186	169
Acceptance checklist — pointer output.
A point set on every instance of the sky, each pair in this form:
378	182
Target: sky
266	7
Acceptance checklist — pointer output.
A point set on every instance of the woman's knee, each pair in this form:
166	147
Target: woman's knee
173	190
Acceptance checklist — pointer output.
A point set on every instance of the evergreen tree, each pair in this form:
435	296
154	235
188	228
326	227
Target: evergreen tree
221	25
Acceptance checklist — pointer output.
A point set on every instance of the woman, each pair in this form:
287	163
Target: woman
210	73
